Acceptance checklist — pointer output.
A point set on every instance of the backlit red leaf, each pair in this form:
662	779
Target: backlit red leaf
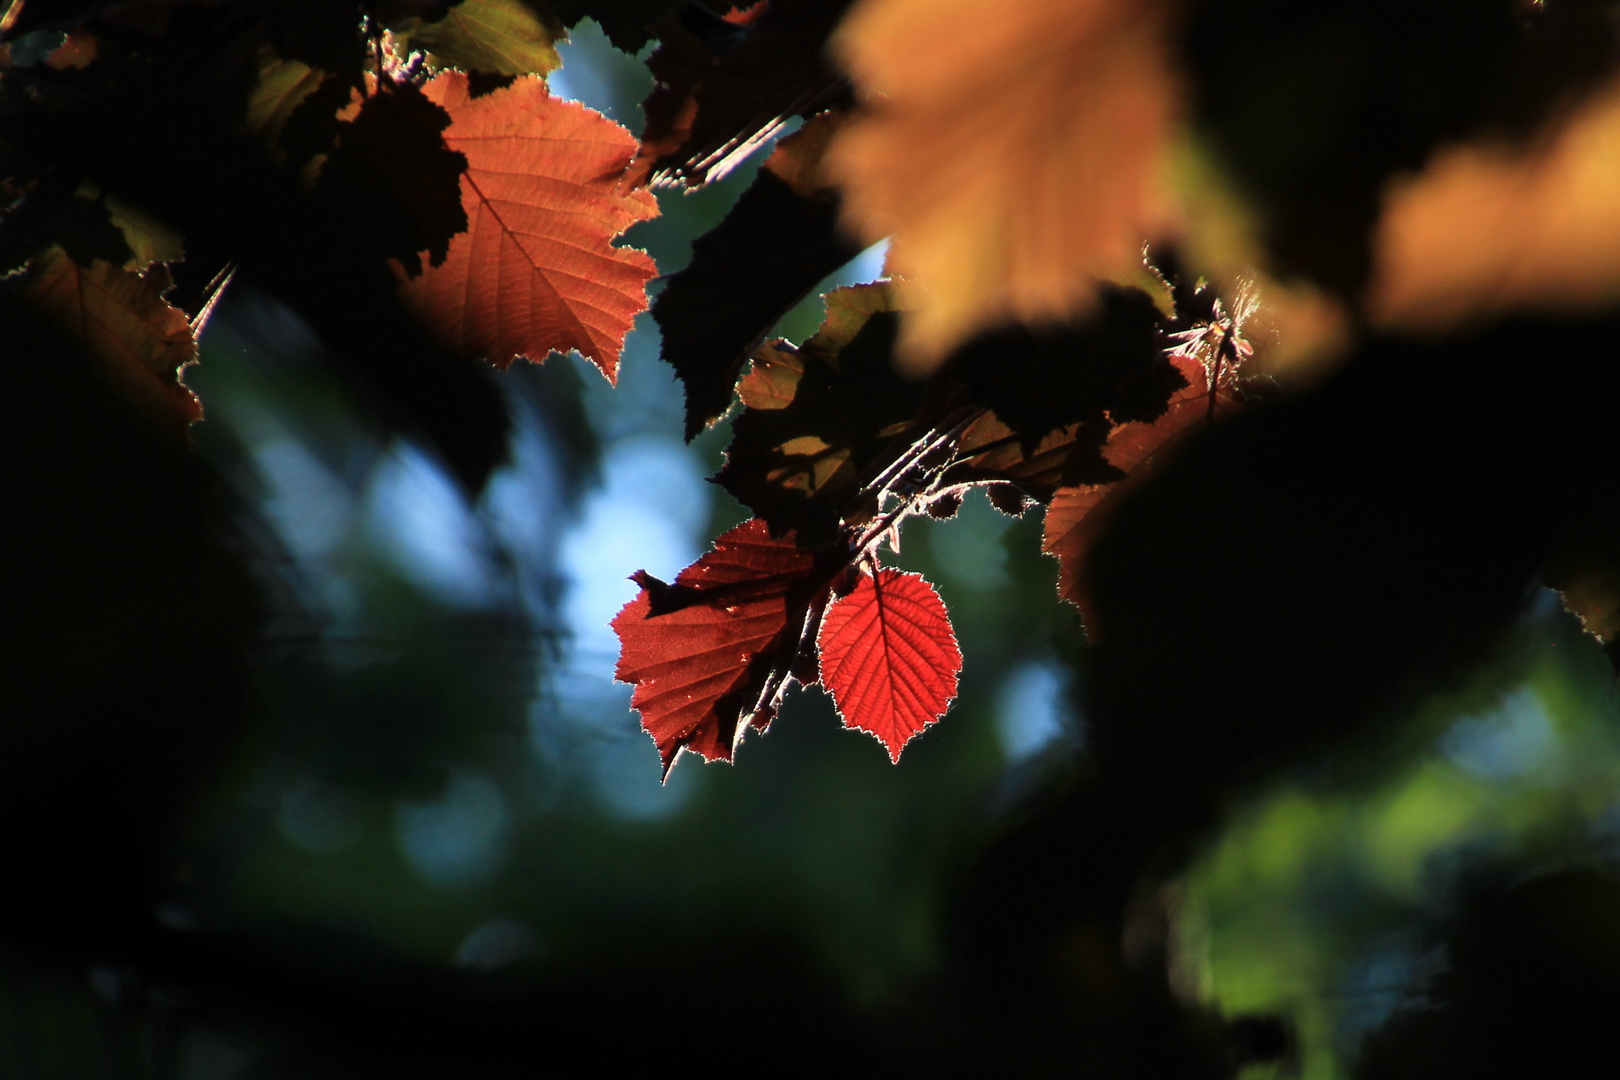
889	657
700	651
1077	516
536	271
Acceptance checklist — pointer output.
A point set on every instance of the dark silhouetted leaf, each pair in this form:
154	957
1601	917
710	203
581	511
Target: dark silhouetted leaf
701	651
321	33
1078	515
1586	572
717	98
817	416
536	272
945	507
1532	968
302	130
123	319
54	214
889	657
1008	498
396	14
393	172
778	241
1040	379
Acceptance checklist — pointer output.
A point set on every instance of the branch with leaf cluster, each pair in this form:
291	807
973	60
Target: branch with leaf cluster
833	450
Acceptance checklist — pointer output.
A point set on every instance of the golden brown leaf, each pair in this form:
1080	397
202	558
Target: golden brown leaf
536	271
501	37
1013	150
1488	228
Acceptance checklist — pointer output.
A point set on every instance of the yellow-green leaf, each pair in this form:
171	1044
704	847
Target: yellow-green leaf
283	85
496	37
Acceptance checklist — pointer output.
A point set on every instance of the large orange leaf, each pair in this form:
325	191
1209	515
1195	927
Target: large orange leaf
1012	149
889	657
1077	516
701	651
536	271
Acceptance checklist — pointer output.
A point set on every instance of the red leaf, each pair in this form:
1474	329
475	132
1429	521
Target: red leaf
536	271
701	651
889	657
1077	516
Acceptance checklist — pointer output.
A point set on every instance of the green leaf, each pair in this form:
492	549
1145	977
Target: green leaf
282	87
724	87
150	240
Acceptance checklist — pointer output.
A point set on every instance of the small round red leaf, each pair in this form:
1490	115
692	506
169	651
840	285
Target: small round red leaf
889	657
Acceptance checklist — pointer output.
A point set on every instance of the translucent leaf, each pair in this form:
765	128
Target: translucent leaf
283	86
498	37
1488	228
701	651
536	272
889	657
1013	150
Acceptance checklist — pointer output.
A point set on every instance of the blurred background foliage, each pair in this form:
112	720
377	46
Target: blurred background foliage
439	784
